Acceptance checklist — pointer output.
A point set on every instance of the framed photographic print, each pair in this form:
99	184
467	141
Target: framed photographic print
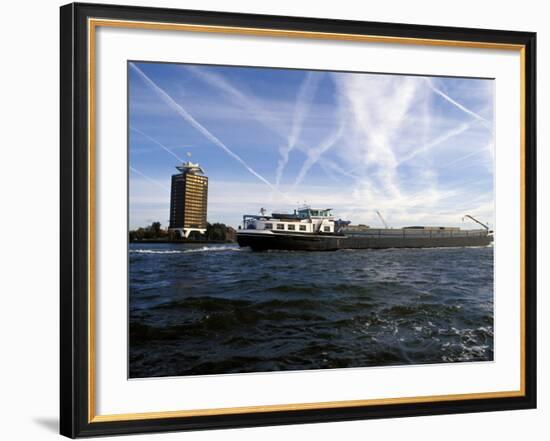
273	220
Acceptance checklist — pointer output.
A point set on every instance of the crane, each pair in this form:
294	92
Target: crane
382	219
476	221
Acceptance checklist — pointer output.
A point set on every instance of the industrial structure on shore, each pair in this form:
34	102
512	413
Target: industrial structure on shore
188	200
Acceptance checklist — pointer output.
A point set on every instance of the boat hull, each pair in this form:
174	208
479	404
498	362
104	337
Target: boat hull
320	242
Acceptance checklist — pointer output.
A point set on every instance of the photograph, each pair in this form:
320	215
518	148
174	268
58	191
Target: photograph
290	219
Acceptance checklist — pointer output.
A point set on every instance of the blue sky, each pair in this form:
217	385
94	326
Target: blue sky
418	149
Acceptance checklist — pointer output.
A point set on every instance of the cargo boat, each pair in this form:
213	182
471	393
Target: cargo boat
312	229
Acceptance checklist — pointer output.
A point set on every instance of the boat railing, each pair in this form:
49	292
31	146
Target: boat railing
254	216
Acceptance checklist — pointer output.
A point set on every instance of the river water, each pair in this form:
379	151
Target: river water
212	309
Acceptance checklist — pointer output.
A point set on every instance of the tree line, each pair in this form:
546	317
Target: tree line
216	231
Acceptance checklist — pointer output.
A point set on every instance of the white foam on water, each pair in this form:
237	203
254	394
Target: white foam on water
189	250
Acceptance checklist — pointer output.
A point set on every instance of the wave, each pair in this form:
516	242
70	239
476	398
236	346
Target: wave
189	250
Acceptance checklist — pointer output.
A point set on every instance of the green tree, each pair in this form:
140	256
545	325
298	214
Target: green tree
153	231
216	231
155	228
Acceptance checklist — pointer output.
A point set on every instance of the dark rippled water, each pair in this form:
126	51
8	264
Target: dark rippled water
215	309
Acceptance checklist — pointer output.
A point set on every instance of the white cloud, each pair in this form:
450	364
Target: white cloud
391	122
375	108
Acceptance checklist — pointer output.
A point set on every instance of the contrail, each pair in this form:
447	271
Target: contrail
303	103
339	169
143	175
255	109
457	104
187	117
157	143
447	135
462	158
313	155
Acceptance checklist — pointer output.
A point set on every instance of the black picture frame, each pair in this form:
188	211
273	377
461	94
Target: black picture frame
76	419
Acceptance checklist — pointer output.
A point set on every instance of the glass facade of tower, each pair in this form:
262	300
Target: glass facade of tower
188	200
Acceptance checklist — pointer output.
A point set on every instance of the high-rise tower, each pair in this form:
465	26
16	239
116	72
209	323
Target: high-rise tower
188	199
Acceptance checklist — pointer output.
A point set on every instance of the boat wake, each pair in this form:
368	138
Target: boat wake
189	250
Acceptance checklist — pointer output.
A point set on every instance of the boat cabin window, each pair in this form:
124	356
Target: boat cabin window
291	227
326	229
280	226
268	226
302	228
307	212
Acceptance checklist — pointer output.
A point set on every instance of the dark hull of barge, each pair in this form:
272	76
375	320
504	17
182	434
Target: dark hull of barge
333	242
